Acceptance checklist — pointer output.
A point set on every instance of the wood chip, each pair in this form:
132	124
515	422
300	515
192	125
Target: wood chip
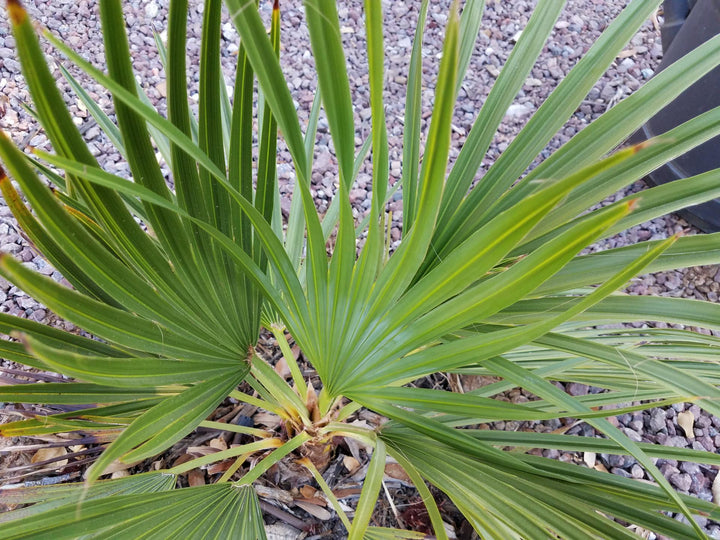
119	474
600	467
196	478
351	464
314	510
219	444
308	492
274	494
281	531
686	420
346	492
217	468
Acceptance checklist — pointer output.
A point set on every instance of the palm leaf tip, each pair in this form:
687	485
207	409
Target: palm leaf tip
16	12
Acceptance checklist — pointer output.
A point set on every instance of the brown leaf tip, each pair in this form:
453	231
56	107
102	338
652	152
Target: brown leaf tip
276	5
641	146
16	12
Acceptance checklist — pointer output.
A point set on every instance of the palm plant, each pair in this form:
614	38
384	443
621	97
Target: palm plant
176	285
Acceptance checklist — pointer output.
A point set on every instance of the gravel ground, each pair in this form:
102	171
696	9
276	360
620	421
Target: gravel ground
580	24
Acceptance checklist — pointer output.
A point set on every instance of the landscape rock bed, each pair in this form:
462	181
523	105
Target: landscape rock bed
580	24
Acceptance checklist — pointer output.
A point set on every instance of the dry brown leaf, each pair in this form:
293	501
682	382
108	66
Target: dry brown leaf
266	419
282	369
351	464
182	459
196	477
341	493
49	453
354	446
686	420
395	470
77	448
317	501
219	444
311	402
314	510
221	467
308	492
589	459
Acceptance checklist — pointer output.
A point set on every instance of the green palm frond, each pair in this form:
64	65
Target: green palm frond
215	511
175	285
